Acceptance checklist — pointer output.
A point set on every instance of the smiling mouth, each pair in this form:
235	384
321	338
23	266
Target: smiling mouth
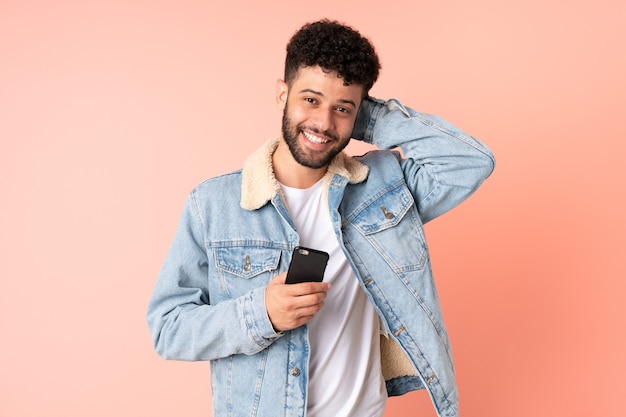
314	139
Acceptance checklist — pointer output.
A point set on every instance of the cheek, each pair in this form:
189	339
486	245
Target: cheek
345	127
297	114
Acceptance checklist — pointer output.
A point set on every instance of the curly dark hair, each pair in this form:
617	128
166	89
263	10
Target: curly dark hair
335	47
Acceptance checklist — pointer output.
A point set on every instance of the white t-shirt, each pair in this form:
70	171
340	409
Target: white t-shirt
345	377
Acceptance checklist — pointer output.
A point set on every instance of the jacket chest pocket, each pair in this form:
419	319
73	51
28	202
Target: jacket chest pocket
243	268
392	226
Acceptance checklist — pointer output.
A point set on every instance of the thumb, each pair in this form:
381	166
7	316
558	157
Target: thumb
279	279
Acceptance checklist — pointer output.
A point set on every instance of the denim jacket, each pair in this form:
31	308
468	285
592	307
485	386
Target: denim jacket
236	234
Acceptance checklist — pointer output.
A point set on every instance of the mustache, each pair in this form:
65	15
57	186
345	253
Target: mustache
318	131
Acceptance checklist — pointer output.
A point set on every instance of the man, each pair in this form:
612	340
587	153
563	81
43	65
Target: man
373	328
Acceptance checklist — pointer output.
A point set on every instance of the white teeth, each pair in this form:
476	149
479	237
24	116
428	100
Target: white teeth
313	138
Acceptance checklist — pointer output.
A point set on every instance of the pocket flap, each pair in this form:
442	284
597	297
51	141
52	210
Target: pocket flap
384	212
247	261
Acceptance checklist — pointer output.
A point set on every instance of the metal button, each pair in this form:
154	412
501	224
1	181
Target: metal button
246	267
400	330
387	214
295	371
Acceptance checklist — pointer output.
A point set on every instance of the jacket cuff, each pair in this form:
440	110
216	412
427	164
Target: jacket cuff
366	119
257	322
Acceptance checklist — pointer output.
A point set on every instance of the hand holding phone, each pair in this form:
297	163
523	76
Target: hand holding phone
307	265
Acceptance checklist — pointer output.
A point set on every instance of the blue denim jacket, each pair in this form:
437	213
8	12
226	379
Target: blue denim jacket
236	234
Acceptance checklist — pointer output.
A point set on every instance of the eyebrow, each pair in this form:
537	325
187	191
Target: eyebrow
341	100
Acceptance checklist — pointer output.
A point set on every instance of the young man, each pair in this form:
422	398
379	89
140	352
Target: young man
373	327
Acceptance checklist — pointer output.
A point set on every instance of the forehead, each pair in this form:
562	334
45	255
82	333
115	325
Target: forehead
326	82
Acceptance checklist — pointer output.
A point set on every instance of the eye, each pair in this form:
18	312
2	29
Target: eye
310	100
343	109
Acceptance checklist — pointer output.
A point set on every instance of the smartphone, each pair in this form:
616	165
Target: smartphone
306	265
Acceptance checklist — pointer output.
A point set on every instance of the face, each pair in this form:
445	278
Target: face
319	112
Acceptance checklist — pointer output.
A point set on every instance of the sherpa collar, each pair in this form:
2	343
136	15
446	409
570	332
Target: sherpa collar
259	185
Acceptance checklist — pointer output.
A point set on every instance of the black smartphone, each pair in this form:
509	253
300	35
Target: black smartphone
306	265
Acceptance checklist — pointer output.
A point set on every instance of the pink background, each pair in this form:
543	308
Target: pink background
111	111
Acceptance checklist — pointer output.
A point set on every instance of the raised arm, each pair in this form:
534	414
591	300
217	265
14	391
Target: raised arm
442	165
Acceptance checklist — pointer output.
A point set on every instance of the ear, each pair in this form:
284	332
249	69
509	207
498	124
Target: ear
282	91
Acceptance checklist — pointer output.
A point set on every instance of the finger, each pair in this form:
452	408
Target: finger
309	300
278	279
309	310
302	316
309	288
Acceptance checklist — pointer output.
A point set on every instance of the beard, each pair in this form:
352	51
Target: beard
307	157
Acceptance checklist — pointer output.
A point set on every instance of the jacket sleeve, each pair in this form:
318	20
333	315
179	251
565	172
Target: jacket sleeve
183	323
442	165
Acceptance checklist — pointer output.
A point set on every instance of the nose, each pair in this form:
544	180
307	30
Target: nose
324	119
